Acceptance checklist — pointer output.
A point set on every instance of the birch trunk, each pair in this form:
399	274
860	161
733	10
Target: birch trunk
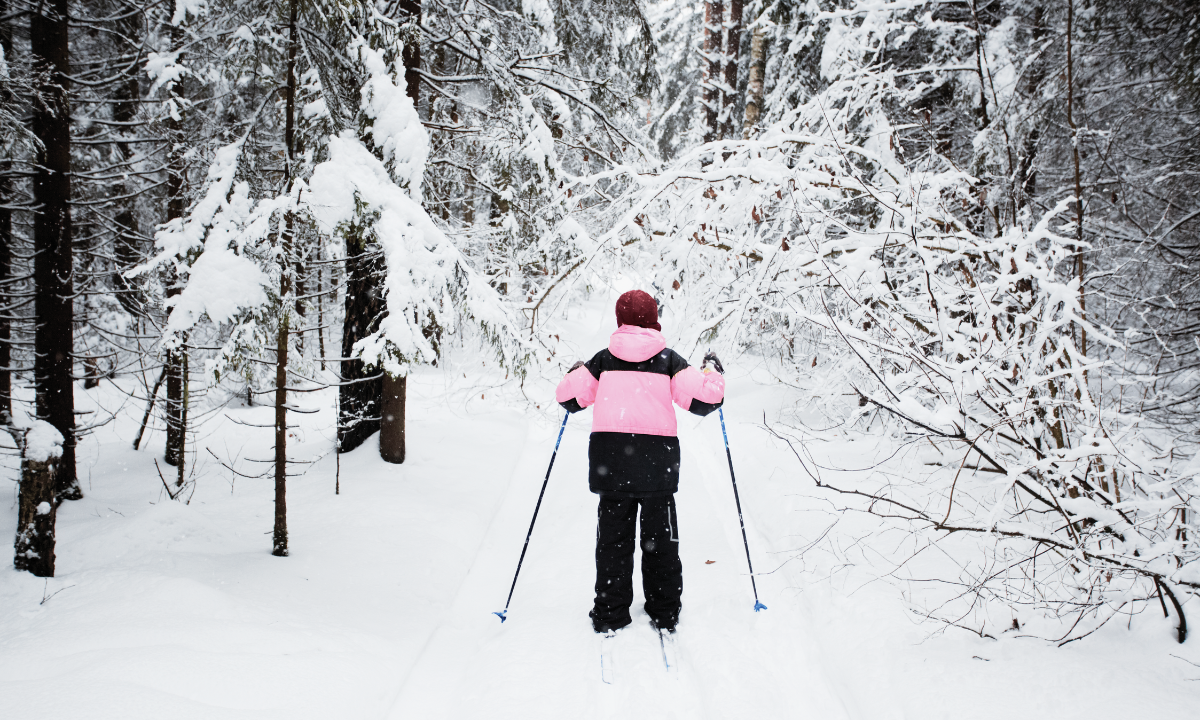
754	88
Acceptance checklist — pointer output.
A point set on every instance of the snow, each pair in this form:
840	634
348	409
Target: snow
164	69
184	8
427	277
222	280
543	17
420	260
383	610
43	442
396	129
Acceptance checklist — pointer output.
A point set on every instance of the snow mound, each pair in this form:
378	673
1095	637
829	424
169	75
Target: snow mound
43	442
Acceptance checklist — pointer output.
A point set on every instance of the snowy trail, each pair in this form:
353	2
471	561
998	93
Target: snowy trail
544	662
384	609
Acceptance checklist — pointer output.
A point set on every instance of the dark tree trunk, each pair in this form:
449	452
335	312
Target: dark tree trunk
173	405
6	306
391	430
411	11
358	397
181	450
37	508
714	18
733	48
391	421
279	542
7	199
279	539
1025	185
52	268
321	304
1074	126
301	291
127	247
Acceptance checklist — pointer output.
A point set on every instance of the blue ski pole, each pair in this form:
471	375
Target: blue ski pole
757	605
503	614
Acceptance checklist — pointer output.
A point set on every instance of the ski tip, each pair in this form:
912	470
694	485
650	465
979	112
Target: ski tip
759	606
501	615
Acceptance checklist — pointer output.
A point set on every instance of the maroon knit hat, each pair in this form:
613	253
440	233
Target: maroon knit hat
637	308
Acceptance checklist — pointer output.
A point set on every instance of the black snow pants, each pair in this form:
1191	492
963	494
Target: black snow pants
662	573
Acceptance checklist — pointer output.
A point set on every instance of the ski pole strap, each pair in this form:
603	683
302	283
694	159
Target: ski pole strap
503	615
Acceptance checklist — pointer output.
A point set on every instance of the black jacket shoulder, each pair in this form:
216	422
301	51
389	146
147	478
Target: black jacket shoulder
667	362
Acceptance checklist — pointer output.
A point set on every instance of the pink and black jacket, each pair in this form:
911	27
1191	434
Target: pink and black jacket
634	451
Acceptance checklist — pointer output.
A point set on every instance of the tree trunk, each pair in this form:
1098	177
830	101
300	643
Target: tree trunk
52	265
37	508
733	49
127	246
391	428
1025	184
321	304
279	540
181	451
754	88
411	11
1074	126
173	406
391	415
301	291
7	198
983	100
714	17
279	543
6	306
358	396
137	440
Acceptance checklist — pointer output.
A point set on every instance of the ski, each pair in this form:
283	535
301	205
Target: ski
666	642
606	657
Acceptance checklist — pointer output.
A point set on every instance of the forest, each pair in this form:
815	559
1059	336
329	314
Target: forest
286	288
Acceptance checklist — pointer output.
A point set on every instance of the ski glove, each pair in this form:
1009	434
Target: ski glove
711	358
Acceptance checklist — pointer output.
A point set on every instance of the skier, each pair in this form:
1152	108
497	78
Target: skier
634	457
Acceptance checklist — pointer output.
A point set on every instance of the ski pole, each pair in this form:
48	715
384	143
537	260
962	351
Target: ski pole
504	613
757	605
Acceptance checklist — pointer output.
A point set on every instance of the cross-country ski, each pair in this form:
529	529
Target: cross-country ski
607	642
666	643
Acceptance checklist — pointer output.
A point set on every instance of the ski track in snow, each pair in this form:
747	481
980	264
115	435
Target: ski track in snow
543	661
384	609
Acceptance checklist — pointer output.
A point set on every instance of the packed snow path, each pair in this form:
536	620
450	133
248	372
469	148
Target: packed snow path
544	661
384	610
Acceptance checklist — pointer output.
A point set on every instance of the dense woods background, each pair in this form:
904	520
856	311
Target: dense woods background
970	226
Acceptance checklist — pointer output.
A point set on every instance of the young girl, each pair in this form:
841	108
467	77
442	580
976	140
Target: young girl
634	457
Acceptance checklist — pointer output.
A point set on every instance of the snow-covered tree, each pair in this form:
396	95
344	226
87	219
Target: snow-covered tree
846	242
239	247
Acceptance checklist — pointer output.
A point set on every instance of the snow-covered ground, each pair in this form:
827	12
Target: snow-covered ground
162	609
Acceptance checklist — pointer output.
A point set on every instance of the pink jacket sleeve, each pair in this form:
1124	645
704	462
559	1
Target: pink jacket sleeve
691	384
579	385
